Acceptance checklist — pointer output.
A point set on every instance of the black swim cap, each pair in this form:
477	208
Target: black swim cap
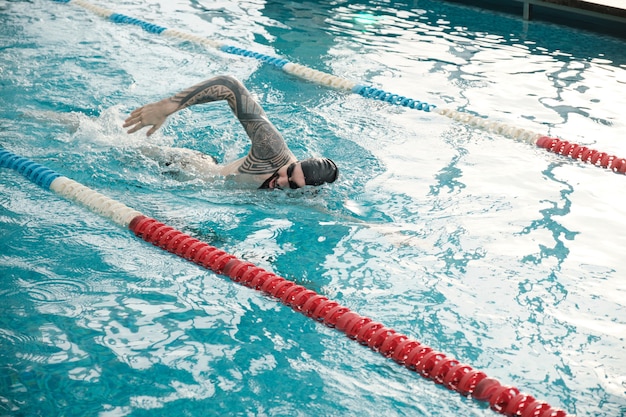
317	171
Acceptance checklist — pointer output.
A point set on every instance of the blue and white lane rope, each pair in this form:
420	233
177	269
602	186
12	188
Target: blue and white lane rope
612	162
298	70
67	188
318	77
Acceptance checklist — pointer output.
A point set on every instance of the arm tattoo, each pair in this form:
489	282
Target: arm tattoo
269	150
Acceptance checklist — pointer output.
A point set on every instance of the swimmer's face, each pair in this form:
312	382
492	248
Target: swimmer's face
288	176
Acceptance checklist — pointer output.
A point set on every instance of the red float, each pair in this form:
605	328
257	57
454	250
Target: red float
413	355
583	153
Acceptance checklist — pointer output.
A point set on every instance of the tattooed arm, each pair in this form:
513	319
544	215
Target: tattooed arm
269	150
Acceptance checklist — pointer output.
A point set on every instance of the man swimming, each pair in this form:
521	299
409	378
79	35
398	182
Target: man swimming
269	162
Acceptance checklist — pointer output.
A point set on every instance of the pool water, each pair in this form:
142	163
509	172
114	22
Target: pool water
493	251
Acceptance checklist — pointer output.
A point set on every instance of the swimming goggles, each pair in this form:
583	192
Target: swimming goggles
290	169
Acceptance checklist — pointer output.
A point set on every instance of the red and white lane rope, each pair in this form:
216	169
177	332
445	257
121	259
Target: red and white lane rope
404	350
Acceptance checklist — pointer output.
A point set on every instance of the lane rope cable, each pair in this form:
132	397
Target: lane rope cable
555	145
426	361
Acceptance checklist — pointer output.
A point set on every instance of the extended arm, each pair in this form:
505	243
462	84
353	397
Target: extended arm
269	150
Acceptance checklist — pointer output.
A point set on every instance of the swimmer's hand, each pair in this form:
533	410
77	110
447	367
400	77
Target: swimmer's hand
153	114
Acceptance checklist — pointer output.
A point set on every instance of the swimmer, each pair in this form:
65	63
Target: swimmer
269	163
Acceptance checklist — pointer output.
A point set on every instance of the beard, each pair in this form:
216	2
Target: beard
266	183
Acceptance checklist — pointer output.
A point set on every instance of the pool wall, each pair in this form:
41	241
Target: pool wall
601	16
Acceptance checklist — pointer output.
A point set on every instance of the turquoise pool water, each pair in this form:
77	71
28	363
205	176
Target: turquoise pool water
495	252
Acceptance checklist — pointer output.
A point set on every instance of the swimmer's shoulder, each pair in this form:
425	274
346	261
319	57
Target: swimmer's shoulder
232	170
